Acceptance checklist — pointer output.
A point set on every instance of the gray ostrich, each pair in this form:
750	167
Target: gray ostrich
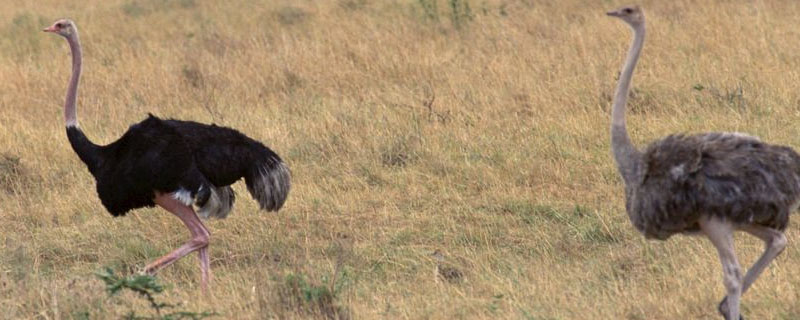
710	184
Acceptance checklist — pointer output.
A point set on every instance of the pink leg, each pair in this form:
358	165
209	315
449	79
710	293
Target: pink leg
199	239
205	267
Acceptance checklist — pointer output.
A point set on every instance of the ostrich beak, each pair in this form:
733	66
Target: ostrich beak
50	29
613	13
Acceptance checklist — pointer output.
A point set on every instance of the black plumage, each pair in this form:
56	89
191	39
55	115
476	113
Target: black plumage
167	156
736	177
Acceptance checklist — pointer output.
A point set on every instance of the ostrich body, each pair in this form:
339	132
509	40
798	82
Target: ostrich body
175	165
710	183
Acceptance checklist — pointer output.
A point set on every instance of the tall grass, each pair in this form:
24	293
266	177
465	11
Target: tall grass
486	139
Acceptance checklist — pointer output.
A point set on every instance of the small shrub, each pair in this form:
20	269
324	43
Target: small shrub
395	157
147	287
291	15
139	8
298	294
352	5
430	9
12	173
193	76
292	81
134	9
400	153
460	11
186	4
733	98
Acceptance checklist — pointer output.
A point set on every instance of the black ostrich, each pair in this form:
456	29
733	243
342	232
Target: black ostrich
174	164
711	184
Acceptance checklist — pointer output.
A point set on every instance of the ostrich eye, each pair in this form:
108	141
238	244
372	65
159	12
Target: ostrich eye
59	25
627	10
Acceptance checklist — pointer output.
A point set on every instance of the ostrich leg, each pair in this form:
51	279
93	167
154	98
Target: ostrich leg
775	242
205	266
199	239
721	235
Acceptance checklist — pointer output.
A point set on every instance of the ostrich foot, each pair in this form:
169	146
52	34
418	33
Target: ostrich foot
723	308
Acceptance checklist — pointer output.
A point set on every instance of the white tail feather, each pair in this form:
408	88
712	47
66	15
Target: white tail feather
184	196
219	203
270	185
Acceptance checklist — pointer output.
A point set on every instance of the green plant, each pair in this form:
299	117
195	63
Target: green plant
460	12
430	9
312	298
148	287
134	9
299	295
730	97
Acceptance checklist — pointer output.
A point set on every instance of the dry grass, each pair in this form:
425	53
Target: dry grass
407	130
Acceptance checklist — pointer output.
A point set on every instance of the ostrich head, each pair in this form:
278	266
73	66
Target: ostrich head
63	27
633	15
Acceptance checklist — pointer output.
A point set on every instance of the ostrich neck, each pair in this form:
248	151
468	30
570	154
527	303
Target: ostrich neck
89	152
70	108
625	153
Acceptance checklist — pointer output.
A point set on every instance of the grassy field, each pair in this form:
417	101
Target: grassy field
475	127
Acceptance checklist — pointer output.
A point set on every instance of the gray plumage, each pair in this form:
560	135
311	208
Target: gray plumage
219	203
731	176
711	184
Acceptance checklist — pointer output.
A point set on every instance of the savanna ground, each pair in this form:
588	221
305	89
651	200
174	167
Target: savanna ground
479	128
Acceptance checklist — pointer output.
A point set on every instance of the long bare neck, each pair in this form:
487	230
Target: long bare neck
89	152
70	108
626	155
